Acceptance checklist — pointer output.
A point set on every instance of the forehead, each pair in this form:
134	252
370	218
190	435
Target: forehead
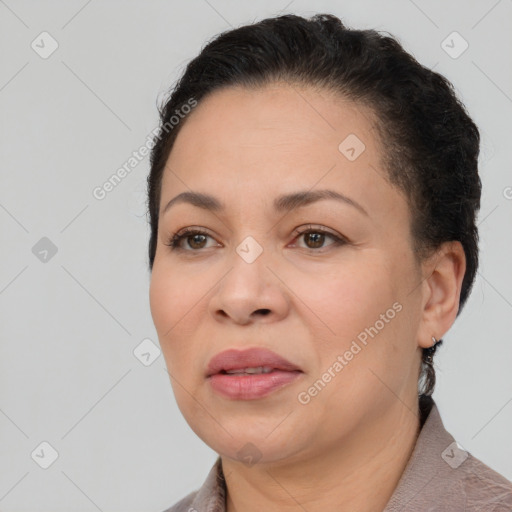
274	115
277	139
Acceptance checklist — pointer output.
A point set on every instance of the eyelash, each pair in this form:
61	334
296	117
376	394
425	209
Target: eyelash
175	239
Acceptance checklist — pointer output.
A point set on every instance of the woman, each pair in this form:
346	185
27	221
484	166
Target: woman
312	199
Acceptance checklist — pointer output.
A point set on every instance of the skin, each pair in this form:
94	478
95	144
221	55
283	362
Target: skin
346	449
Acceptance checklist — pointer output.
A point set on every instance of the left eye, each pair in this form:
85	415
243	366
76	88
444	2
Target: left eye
196	239
315	238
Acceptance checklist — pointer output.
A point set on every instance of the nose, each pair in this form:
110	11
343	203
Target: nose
250	292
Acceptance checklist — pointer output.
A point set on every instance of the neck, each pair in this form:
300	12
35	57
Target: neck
359	474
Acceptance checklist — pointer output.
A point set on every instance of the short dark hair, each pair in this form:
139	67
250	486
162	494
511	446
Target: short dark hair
432	145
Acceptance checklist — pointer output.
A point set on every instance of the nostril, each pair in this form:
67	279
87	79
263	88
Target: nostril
263	311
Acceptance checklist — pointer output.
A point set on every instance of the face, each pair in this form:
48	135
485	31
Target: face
329	284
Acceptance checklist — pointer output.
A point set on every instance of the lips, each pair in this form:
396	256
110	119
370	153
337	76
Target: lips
232	359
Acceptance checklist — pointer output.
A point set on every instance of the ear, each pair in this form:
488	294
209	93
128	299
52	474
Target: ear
444	272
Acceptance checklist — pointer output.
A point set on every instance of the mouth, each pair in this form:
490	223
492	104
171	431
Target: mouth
250	361
249	371
250	374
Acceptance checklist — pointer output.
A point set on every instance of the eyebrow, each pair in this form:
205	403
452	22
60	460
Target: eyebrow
282	203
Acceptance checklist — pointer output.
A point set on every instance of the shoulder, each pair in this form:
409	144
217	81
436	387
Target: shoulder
442	475
184	505
210	496
482	488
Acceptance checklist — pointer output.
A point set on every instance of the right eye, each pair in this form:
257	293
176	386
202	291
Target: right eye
195	238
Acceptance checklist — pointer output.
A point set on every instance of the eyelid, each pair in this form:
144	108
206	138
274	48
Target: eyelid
317	227
189	229
295	233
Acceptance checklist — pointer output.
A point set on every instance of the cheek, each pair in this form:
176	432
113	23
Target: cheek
162	300
346	299
172	302
357	313
171	296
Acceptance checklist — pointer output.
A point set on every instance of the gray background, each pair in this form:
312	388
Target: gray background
70	322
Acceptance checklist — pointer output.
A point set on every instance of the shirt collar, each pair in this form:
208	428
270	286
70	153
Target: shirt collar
425	464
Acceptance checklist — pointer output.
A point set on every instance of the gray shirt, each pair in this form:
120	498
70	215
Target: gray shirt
439	476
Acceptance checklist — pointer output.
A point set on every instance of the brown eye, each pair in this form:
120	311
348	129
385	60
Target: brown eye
315	238
195	240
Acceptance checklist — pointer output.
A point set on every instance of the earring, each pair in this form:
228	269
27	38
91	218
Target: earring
430	351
